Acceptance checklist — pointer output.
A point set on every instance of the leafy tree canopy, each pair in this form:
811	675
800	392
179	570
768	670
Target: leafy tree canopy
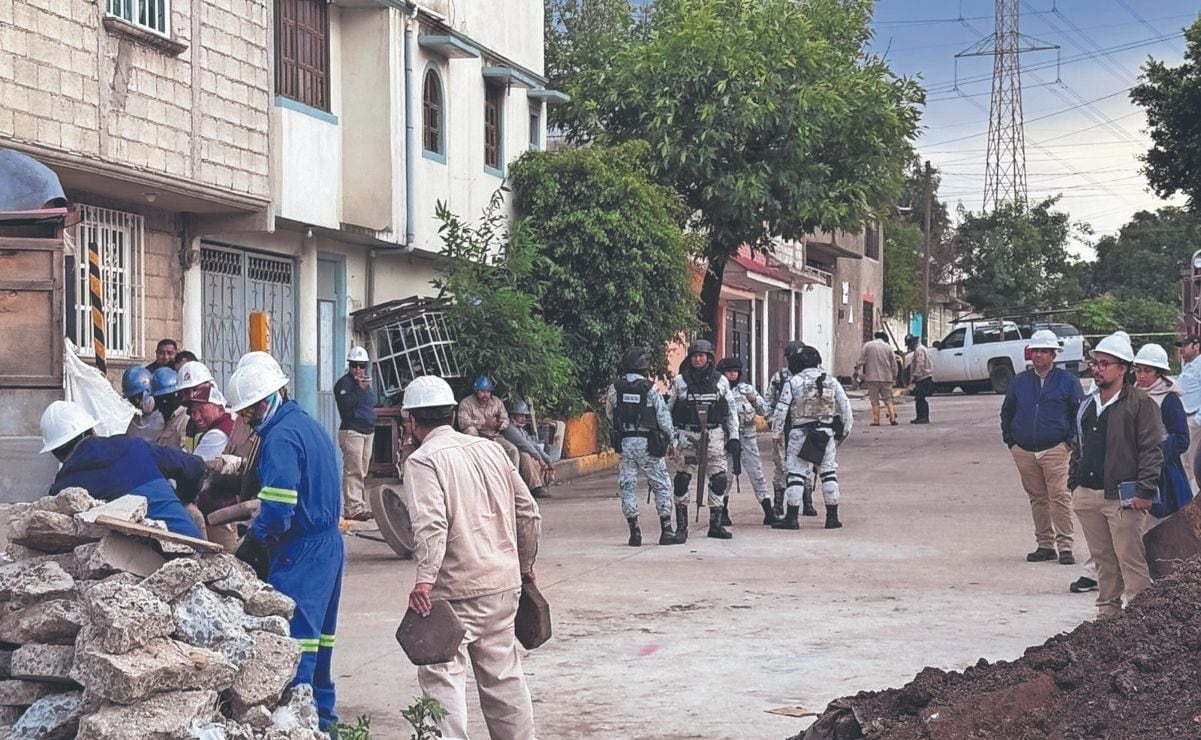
1145	257
903	276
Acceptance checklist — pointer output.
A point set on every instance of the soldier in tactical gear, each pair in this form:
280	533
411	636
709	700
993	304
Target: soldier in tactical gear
750	405
699	385
819	414
779	474
641	431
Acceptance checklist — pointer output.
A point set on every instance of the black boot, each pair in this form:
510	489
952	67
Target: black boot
635	532
832	517
789	521
715	528
777	499
681	523
725	512
807	504
666	536
769	515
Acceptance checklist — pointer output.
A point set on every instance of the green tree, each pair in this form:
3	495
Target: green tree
580	36
1170	96
905	247
1145	257
1133	314
494	314
767	117
618	271
903	277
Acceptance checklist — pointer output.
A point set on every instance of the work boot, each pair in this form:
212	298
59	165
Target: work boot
715	528
1042	554
777	502
832	517
666	536
725	512
681	523
807	504
540	493
635	532
1066	557
789	521
769	514
875	416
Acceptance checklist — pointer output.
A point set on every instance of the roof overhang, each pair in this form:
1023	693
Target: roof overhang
830	250
510	75
451	47
550	97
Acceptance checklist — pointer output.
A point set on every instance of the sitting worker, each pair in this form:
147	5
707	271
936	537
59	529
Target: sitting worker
210	424
147	422
165	387
483	415
110	467
533	464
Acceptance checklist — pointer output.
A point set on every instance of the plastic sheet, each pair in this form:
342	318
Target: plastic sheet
86	386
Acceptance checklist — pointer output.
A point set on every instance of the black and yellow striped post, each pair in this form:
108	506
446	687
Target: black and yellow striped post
94	287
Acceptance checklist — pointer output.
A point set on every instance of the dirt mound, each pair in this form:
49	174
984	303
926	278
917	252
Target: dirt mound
1136	676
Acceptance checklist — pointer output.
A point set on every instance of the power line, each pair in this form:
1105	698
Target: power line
1052	114
1139	18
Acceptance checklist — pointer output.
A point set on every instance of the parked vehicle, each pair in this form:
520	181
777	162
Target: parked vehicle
983	355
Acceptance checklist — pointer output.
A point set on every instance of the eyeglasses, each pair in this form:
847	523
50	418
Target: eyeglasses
358	365
1102	364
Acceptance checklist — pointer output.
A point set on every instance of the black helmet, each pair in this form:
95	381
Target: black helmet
805	359
701	346
636	358
882	335
729	363
911	340
792	348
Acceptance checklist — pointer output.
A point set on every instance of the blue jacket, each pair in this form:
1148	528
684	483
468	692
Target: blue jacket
301	482
356	405
1036	418
110	467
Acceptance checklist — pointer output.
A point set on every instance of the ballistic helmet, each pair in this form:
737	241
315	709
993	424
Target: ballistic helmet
729	363
805	359
793	347
636	358
701	346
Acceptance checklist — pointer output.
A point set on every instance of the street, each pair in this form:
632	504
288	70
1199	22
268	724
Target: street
702	640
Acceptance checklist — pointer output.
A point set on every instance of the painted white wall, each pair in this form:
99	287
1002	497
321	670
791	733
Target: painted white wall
817	307
511	27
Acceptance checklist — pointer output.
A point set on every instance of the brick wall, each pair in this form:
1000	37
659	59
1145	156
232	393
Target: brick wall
70	83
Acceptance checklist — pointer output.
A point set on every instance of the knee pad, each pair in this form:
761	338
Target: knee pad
795	480
680	483
719	483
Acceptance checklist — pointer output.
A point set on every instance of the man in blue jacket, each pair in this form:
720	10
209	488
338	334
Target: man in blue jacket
1038	420
356	433
294	542
110	467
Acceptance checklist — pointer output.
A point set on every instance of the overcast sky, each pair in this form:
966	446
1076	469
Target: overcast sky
1083	134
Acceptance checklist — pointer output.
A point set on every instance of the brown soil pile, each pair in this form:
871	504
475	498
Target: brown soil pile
1136	676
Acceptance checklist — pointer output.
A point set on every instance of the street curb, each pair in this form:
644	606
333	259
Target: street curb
578	467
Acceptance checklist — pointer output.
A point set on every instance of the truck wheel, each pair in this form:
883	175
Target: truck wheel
1000	375
970	389
392	519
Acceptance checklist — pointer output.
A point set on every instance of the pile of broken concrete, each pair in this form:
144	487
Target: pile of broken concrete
107	635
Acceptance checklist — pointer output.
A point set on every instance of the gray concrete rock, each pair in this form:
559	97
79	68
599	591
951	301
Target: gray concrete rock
53	717
36	580
125	616
257	717
10	715
20	552
267	602
205	620
268	671
166	716
174	578
51	663
274	625
69	501
116	553
162	664
6	667
55	622
46	531
14	693
296	716
128	508
237	583
214	567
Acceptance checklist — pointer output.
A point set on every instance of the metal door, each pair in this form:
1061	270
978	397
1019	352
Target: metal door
237	282
817	319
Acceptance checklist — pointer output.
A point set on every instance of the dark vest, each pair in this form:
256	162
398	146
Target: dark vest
701	390
634	415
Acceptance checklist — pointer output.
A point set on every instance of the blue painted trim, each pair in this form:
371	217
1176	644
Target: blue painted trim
308	110
442	103
552	97
449	46
510	74
494	172
306	386
439	158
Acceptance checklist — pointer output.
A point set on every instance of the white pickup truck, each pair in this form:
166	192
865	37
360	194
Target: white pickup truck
979	355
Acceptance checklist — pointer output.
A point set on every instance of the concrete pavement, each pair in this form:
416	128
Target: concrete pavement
701	640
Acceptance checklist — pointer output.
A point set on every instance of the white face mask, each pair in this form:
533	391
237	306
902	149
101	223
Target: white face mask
147	405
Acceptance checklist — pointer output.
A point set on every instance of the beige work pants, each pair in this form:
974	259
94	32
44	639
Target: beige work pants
530	469
491	647
356	458
1045	478
1190	460
1115	541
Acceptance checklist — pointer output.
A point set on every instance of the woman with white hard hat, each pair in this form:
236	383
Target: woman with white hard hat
1151	370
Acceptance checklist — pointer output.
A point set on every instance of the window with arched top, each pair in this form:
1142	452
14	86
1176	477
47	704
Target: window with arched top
432	114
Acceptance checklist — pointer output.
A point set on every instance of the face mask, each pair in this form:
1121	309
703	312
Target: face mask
147	404
274	401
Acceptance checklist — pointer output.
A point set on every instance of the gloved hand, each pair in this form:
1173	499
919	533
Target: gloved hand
253	552
734	450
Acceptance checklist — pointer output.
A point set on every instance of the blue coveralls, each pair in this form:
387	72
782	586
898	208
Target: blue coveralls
110	467
301	504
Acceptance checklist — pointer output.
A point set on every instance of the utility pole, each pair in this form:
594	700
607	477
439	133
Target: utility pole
929	186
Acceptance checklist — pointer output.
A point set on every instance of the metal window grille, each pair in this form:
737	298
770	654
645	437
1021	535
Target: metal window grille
431	100
120	239
302	51
410	346
153	15
492	127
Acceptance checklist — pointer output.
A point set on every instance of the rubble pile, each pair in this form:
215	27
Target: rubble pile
1134	676
104	635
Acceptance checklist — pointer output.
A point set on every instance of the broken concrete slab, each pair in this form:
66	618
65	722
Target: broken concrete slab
10	715
54	717
46	531
156	530
129	508
266	673
174	578
116	553
37	662
55	622
28	582
205	620
237	583
69	501
216	566
166	716
15	693
162	664
125	616
6	666
297	710
267	602
257	716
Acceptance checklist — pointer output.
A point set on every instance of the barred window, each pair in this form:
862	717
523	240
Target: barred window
302	51
431	113
118	239
492	126
153	15
535	125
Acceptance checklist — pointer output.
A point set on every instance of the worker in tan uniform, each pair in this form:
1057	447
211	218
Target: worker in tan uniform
879	367
483	415
476	529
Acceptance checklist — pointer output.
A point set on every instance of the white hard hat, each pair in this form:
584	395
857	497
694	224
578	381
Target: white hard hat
63	421
357	354
1152	355
252	383
1115	346
1121	334
428	391
1044	339
258	358
192	374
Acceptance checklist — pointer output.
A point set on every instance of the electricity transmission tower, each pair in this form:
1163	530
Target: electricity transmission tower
1005	167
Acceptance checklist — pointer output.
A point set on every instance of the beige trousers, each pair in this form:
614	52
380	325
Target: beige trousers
881	390
1194	433
491	647
530	469
356	458
1045	478
1115	540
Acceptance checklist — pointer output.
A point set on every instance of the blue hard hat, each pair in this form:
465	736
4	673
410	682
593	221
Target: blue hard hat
483	383
135	381
165	381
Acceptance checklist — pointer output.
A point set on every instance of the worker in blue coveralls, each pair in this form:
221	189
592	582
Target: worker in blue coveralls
294	542
110	467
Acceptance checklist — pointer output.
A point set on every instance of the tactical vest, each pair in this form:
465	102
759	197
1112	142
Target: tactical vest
746	409
706	390
812	397
634	412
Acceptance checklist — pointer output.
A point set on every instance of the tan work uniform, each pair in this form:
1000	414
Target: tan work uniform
474	418
476	529
880	371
